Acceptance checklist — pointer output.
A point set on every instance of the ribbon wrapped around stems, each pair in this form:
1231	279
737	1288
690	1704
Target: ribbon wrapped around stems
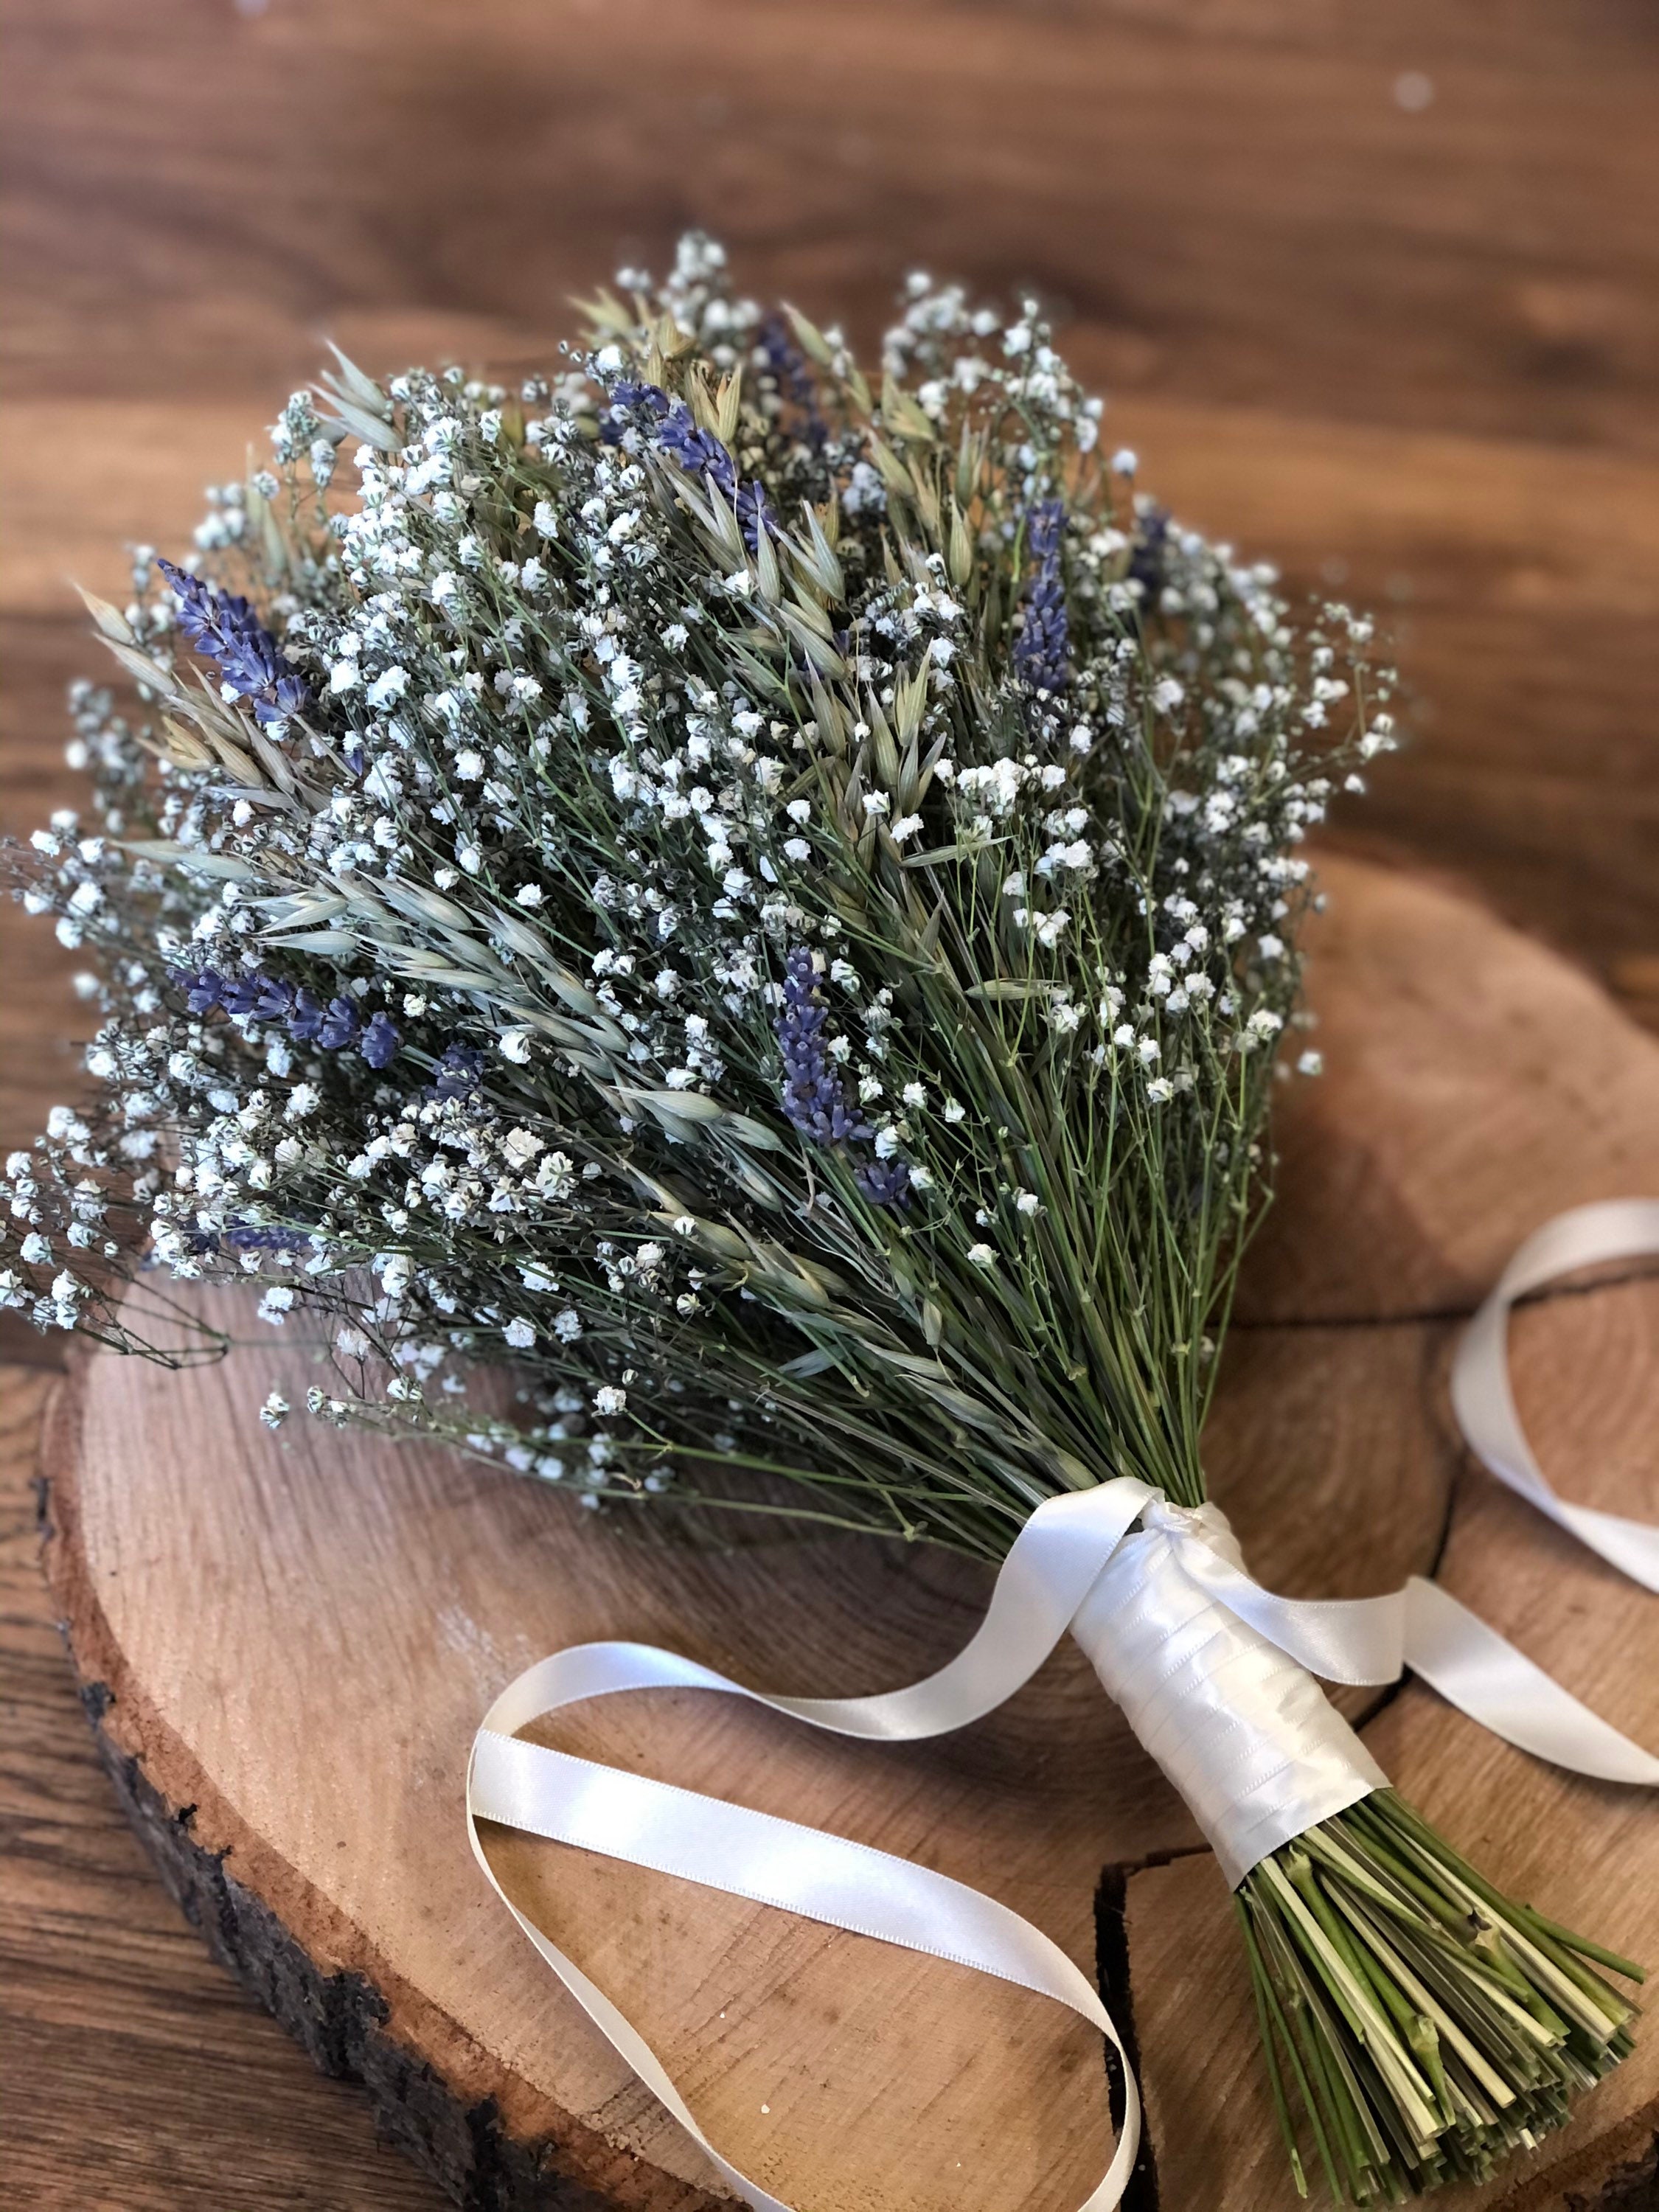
1214	1671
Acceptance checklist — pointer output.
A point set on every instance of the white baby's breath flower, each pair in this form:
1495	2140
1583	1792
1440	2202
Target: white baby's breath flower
520	1333
982	1255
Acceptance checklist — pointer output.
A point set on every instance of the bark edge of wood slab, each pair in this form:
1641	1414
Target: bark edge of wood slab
174	1563
339	2015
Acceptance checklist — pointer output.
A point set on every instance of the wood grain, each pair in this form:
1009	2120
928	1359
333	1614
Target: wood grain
106	1997
365	1607
1411	353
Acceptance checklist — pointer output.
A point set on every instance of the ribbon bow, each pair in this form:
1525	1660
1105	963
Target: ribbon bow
1054	1563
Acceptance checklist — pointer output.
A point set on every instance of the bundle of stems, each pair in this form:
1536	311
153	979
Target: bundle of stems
767	905
1428	2025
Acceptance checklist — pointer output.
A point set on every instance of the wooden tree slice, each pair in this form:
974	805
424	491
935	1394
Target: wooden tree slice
287	1642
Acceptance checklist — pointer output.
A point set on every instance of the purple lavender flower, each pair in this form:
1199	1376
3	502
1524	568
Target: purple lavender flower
379	1041
700	453
793	378
754	515
885	1182
628	393
815	1095
243	1239
270	998
1147	558
307	1018
459	1073
629	397
239	994
225	629
273	998
202	990
338	1026
1040	651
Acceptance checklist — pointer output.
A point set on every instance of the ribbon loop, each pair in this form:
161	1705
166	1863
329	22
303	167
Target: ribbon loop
1170	1618
1484	1402
1053	1564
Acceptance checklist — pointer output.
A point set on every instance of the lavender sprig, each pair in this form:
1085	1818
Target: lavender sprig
1147	556
1040	652
793	378
267	997
678	433
225	629
815	1094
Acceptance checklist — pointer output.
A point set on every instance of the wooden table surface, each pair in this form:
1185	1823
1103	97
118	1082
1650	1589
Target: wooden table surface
1375	291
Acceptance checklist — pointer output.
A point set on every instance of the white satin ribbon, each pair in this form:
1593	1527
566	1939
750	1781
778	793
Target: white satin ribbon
1248	1740
1070	1567
1588	1236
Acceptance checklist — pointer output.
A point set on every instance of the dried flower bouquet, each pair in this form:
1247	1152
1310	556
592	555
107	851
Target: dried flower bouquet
767	904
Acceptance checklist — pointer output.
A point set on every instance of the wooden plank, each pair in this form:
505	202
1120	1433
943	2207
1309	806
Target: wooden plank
365	1605
1233	199
138	2077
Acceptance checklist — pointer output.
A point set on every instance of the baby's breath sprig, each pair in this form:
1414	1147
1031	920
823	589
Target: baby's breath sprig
767	904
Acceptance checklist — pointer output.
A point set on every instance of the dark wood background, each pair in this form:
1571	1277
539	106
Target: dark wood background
1373	290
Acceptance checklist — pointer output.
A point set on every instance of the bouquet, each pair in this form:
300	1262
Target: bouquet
766	904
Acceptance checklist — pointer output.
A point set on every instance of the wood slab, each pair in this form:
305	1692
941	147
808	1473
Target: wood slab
290	1641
